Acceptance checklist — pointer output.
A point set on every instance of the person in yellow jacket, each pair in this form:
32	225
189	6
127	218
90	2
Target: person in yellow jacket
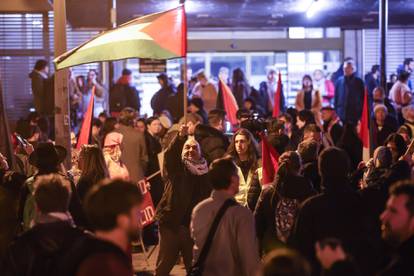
244	151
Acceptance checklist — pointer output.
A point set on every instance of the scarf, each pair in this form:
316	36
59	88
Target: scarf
196	167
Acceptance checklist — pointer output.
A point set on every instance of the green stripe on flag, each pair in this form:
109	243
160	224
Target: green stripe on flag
115	51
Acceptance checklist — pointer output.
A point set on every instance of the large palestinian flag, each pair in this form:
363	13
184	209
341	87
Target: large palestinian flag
158	36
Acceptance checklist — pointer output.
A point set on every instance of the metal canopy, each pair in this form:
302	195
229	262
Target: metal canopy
247	14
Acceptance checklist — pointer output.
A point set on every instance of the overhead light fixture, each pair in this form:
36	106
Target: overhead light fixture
313	8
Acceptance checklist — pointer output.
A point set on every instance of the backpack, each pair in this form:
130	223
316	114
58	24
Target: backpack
285	216
117	98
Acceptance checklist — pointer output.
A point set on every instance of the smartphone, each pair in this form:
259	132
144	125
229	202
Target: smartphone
21	140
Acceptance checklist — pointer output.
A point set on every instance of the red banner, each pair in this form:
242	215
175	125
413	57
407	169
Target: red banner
148	209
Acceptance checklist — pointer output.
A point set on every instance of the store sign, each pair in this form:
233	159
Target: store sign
152	65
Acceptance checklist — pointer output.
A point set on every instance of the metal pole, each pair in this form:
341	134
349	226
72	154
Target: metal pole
62	120
383	29
185	79
111	63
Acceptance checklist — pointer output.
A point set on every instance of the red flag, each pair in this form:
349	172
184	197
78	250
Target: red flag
364	131
147	205
229	102
269	161
276	108
87	123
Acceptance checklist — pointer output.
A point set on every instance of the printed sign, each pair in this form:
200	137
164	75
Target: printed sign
148	209
152	65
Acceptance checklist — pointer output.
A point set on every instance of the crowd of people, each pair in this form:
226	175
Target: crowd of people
326	211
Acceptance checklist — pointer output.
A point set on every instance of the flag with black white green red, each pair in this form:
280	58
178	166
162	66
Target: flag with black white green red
157	36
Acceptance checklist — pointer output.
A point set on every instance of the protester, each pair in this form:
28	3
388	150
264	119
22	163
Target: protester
112	153
39	77
278	205
381	127
397	230
349	95
123	94
186	185
277	136
285	262
332	126
267	92
407	66
400	93
243	150
335	213
372	80
380	98
233	247
38	251
10	186
196	105
100	99
240	86
159	100
205	90
351	144
134	152
111	124
93	169
113	209
308	151
211	137
47	158
325	87
308	98
152	142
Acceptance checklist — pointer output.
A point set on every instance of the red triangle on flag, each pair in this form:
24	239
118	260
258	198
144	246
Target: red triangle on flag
230	103
87	123
169	30
269	161
276	108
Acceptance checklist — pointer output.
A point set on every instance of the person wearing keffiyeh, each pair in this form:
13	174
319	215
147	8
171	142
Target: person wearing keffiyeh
186	185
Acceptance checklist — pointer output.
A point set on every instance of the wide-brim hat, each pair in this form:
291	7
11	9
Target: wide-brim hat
47	154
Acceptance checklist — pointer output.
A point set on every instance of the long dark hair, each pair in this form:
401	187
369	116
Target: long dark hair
108	127
253	153
238	77
92	163
309	78
289	164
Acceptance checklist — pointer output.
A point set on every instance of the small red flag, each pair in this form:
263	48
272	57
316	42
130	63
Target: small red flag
276	108
229	102
87	123
269	161
364	131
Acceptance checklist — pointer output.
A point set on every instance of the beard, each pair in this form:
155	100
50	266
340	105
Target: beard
388	235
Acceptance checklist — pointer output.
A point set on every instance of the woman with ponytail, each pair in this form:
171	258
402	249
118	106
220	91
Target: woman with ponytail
278	204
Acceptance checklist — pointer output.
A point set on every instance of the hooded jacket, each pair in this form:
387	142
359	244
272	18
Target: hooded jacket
213	142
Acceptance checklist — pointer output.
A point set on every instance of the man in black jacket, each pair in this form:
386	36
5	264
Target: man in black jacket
397	229
335	213
212	141
38	251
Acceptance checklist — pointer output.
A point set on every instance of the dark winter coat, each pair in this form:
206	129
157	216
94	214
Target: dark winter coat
296	187
379	136
38	251
349	99
153	149
123	95
175	104
38	90
311	173
183	190
241	91
160	99
336	213
213	142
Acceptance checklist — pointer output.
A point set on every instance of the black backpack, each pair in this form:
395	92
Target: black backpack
117	97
